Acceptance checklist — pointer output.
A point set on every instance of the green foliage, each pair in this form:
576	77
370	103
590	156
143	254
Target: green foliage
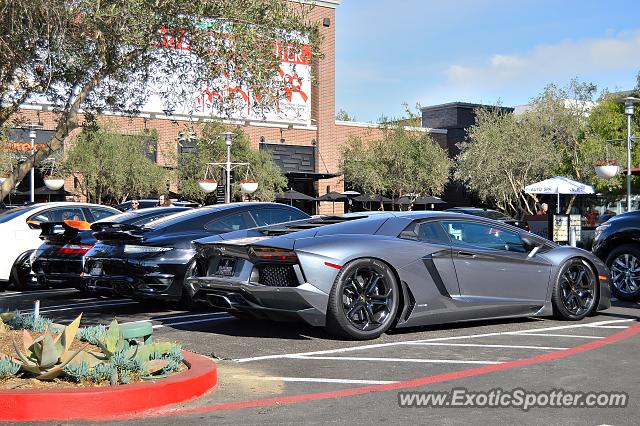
92	334
8	368
562	132
46	356
104	55
115	166
503	154
28	321
403	162
343	115
211	148
77	371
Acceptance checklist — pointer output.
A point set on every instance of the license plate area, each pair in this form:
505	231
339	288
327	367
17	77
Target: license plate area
96	269
226	267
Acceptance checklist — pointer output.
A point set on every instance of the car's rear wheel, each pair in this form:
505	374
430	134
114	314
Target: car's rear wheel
364	300
624	263
574	293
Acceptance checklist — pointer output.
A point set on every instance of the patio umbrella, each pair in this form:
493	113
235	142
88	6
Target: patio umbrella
367	198
293	195
559	185
427	199
333	197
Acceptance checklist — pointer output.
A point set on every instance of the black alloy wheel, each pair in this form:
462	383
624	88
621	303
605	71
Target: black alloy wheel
364	300
624	263
575	290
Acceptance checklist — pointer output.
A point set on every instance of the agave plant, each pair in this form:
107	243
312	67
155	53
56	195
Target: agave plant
47	356
4	317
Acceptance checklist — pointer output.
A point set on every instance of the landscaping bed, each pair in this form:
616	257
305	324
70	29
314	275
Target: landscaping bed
37	354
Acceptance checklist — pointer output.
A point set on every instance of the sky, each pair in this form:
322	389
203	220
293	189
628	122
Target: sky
483	51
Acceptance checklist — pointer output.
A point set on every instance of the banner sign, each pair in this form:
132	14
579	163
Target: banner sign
236	101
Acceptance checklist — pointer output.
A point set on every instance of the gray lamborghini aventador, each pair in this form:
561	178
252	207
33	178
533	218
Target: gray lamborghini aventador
360	274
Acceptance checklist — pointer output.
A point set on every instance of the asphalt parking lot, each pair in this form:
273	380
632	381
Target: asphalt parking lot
292	373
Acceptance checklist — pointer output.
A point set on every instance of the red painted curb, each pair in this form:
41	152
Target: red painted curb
405	384
112	401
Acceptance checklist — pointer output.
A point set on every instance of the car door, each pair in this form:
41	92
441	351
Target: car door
492	265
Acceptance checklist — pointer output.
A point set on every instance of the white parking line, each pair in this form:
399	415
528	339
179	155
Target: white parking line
177	317
29	293
609	326
169	324
415	360
559	335
437	339
88	303
130	302
322	380
475	345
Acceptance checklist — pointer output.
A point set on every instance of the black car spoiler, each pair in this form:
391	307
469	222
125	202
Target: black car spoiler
113	231
50	231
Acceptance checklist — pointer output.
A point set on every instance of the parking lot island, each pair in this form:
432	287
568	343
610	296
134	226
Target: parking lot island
107	402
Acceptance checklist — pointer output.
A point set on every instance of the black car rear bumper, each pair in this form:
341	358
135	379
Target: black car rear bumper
144	280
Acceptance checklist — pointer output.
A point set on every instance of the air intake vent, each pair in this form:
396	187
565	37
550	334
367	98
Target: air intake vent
277	276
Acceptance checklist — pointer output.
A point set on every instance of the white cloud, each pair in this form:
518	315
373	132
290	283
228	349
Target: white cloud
550	63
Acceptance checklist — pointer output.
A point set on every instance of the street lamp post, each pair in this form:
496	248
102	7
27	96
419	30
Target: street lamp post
628	110
32	137
227	192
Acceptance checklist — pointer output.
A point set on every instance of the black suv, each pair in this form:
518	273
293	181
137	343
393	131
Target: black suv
617	243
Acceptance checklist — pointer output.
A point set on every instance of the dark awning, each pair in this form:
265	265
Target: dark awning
310	175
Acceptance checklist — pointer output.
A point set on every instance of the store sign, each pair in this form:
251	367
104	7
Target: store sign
228	99
19	141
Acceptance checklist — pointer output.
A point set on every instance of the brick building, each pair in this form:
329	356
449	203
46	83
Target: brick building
307	148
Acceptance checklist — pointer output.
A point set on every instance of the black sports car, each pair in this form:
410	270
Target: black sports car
59	260
148	203
617	243
491	214
151	261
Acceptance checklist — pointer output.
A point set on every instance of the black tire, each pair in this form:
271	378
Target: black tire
624	263
574	293
186	300
364	300
20	282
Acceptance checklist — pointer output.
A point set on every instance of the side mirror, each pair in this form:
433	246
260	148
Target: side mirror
532	243
33	224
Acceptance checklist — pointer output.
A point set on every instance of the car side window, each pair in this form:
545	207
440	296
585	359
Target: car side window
58	215
270	216
483	235
99	213
428	232
234	222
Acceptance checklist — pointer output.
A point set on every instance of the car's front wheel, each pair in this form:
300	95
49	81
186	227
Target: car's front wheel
574	293
624	263
364	300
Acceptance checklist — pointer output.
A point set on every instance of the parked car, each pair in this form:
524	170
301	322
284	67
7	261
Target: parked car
20	231
617	243
491	214
151	261
360	275
148	203
59	260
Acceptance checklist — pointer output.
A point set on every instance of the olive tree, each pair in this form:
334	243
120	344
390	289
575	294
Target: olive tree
112	166
403	162
210	147
105	55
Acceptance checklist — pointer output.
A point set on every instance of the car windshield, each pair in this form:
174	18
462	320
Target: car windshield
489	214
8	215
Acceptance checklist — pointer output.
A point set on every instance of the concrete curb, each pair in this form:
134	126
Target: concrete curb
112	401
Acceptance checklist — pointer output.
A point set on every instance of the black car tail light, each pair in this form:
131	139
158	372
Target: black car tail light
75	248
